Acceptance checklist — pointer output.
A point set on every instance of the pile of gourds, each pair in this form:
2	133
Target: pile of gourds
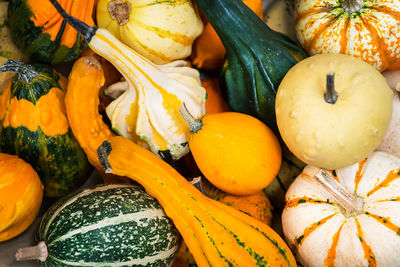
190	163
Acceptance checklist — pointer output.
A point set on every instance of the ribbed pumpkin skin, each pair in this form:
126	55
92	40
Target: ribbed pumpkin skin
371	34
21	193
34	126
108	224
40	32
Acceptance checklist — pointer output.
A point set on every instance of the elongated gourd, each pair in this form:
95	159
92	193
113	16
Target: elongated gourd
217	235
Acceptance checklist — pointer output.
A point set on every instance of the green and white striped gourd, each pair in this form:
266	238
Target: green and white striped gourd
106	225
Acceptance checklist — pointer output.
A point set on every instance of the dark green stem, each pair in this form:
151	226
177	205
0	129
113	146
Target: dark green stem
25	72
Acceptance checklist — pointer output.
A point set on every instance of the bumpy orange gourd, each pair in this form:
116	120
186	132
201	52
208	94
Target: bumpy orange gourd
236	152
21	194
208	51
215	103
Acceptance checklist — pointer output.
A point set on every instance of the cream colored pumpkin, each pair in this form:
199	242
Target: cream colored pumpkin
343	132
162	31
146	109
324	233
365	29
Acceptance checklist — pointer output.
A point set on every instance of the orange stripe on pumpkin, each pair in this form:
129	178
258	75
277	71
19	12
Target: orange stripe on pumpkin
330	259
392	175
359	174
311	229
302	200
386	222
386	200
368	254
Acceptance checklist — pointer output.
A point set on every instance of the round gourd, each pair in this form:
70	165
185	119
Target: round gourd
21	193
35	127
354	221
365	29
236	152
107	225
42	34
162	31
333	110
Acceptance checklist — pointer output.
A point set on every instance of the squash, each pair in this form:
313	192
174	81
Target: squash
279	16
364	29
208	50
236	152
346	217
35	127
21	194
41	33
257	59
216	234
333	110
160	31
215	103
105	225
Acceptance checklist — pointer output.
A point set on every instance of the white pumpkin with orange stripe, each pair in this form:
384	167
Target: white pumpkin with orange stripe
358	227
160	30
365	29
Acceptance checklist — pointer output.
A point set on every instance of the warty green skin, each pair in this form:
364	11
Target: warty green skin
108	225
60	162
36	44
257	58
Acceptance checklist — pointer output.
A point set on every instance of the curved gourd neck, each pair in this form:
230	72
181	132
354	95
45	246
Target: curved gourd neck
26	72
352	6
194	124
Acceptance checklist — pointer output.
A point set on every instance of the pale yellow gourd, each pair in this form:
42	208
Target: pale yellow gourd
162	31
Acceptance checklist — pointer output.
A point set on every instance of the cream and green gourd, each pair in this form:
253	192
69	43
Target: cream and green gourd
106	225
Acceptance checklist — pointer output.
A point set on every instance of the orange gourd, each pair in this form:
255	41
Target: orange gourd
208	51
215	102
21	194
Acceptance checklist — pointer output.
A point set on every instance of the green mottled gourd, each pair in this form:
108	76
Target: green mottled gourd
106	225
34	126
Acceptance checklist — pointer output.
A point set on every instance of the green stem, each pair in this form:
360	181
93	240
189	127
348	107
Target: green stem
25	72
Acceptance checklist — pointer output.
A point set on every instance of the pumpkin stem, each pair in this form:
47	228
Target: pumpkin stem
87	31
38	252
352	6
103	151
25	72
119	11
349	202
193	123
331	95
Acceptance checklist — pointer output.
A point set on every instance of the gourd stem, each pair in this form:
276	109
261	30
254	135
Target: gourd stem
331	95
38	252
198	183
193	123
87	31
102	152
25	72
349	202
352	6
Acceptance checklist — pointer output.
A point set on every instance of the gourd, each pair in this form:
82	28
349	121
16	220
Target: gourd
364	29
35	127
346	217
279	16
21	194
236	152
215	103
208	51
257	60
105	225
216	233
42	34
333	110
160	31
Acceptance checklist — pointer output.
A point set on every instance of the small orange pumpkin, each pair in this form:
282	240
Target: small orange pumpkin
21	194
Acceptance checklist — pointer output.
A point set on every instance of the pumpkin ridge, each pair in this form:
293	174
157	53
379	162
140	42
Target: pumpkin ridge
383	9
161	2
312	11
301	200
392	175
359	174
386	222
330	258
368	254
299	240
344	39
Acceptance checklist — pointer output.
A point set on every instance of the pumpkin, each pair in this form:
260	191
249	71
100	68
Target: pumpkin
21	193
208	50
252	73
160	31
8	50
279	16
365	29
215	103
216	233
42	34
236	152
35	127
333	110
348	216
105	225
